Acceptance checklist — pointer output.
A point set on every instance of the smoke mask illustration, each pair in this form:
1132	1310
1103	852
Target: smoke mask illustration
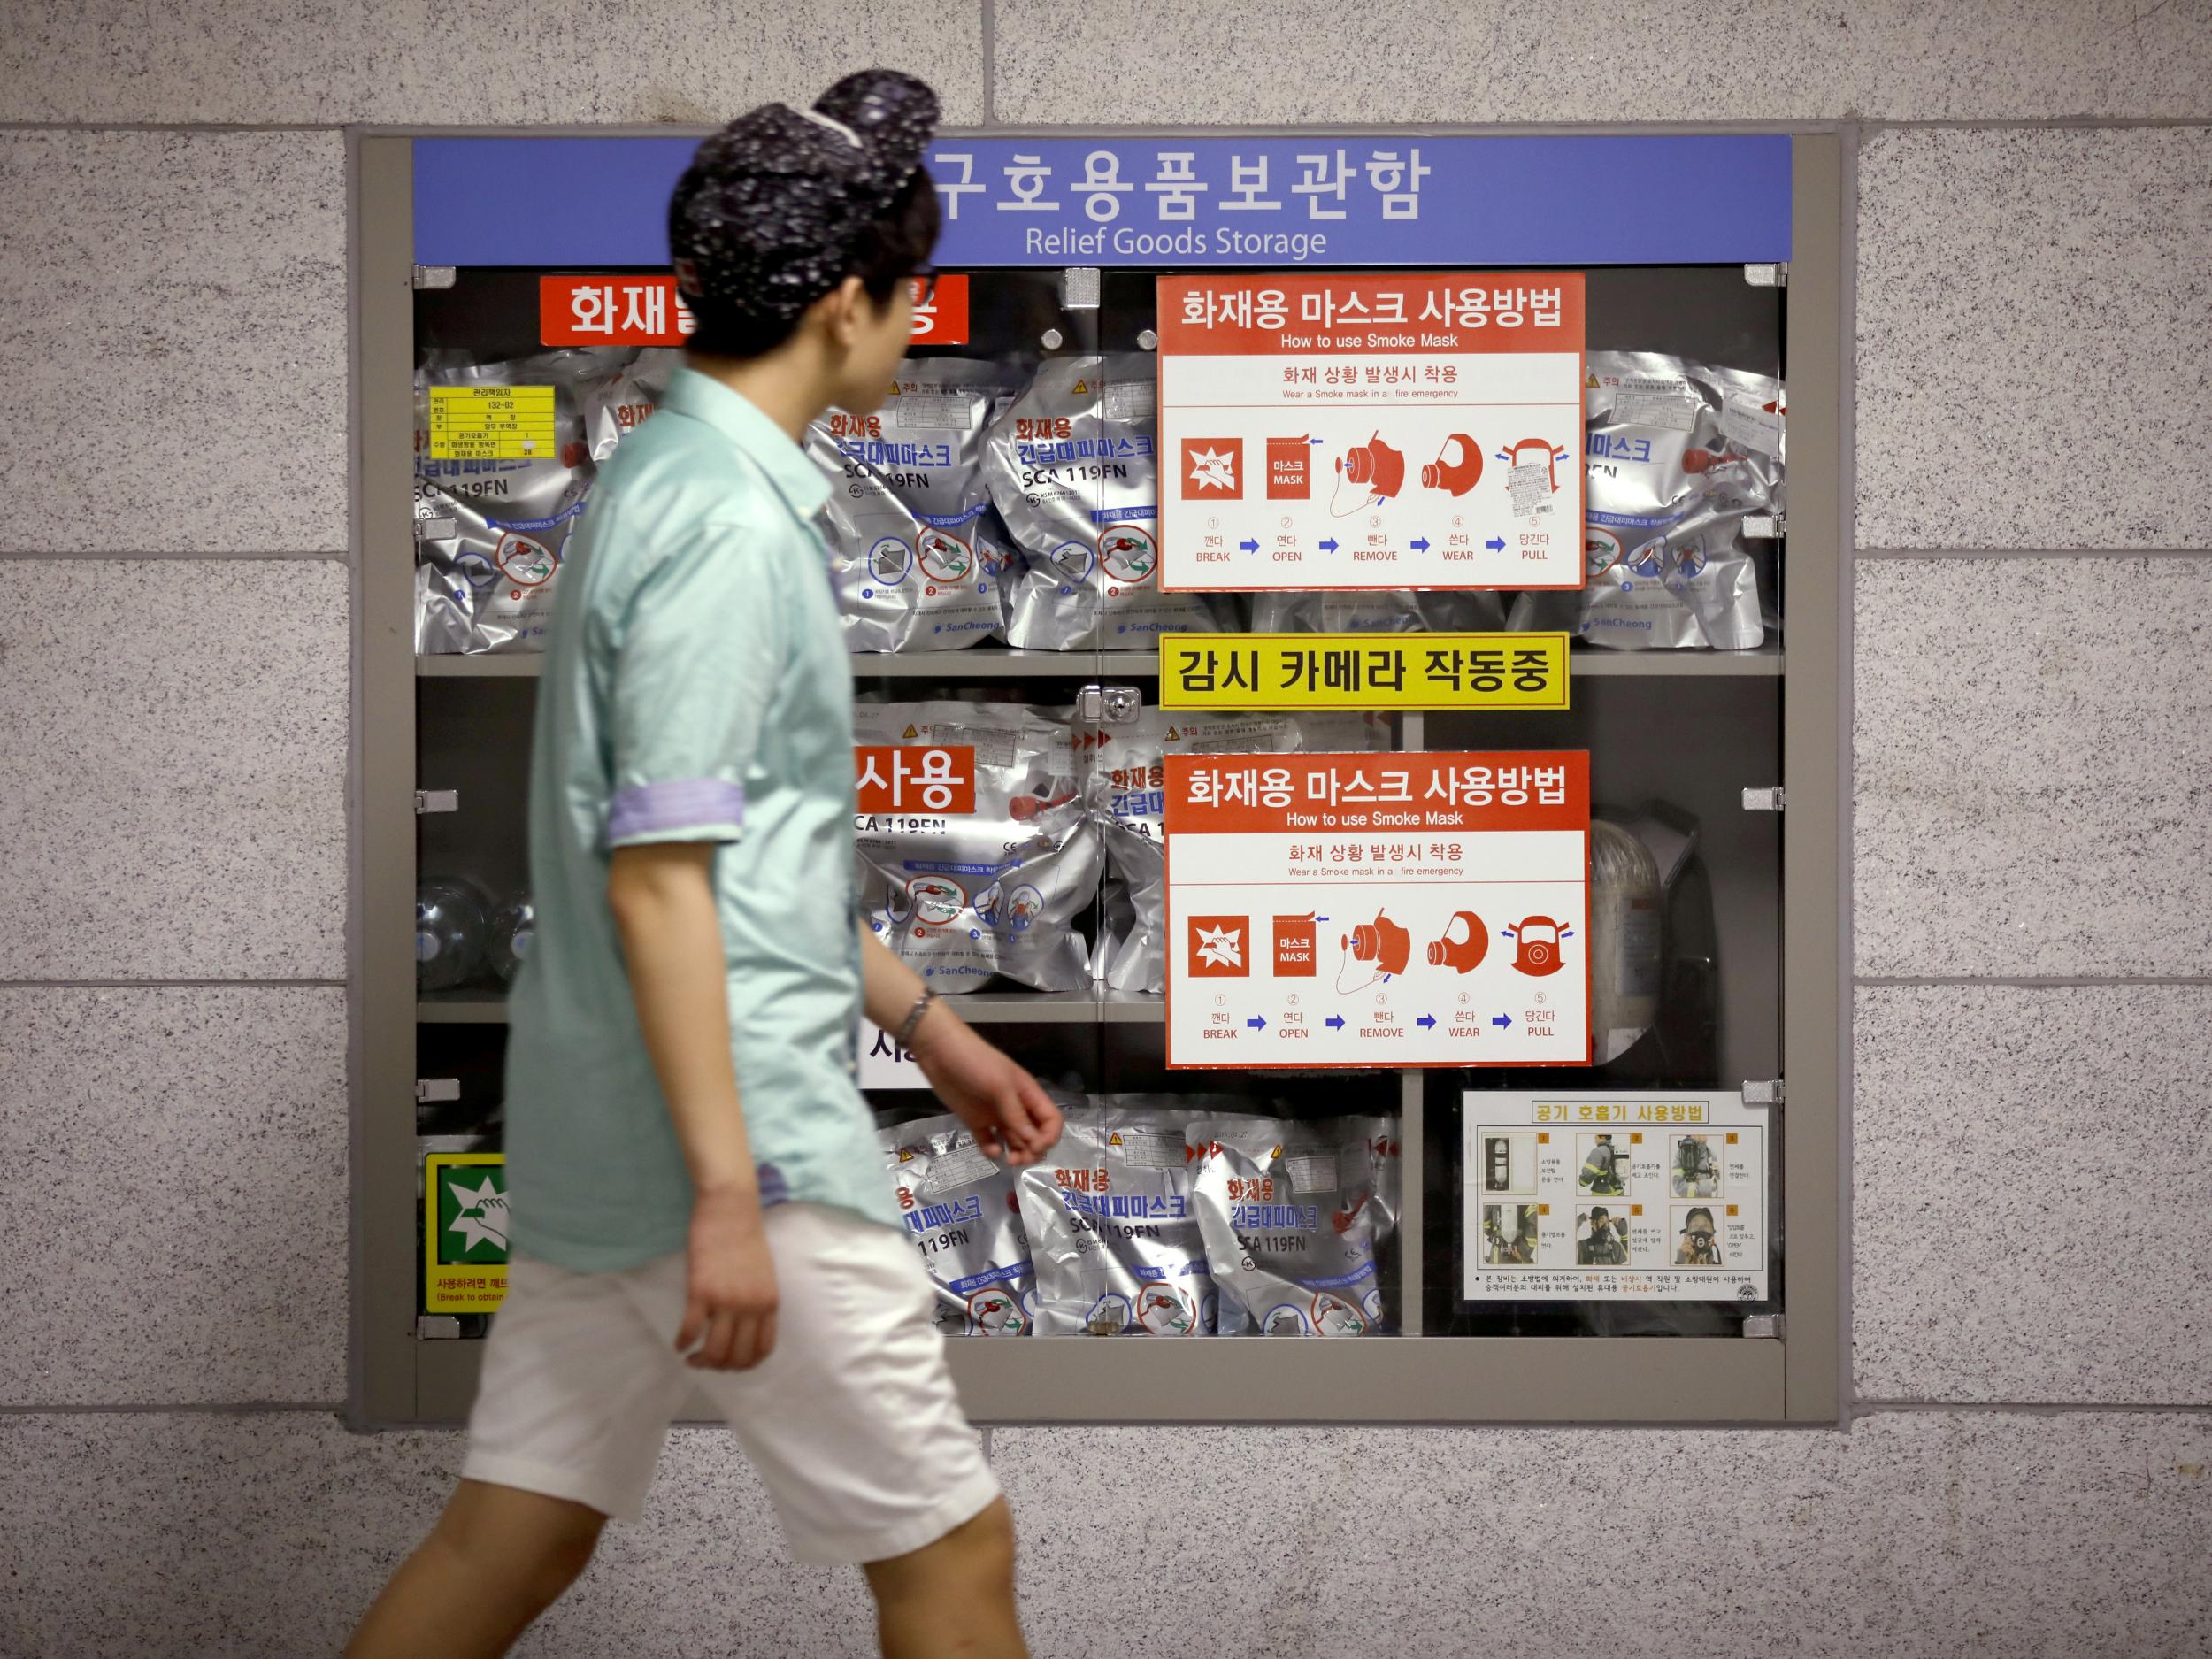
1538	941
1376	467
1382	942
1464	956
1456	477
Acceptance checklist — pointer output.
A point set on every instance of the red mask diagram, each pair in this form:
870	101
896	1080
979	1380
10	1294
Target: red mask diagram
1538	949
1455	477
1376	468
1462	955
1382	944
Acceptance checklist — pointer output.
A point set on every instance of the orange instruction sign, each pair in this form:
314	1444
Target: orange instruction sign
1407	430
1396	910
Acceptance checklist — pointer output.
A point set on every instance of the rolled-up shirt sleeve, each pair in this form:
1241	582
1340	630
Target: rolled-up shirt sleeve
701	655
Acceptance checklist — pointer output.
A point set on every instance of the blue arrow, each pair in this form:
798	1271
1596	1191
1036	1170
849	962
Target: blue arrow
1257	1023
1249	547
1335	1022
1501	1020
1329	546
1496	545
1422	546
1426	1019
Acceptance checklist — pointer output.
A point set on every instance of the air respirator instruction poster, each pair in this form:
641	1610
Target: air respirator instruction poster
1657	1196
1378	910
1371	432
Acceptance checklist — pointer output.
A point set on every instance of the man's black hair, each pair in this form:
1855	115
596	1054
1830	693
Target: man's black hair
782	205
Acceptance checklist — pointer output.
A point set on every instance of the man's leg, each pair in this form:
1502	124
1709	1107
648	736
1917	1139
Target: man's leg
497	1558
953	1597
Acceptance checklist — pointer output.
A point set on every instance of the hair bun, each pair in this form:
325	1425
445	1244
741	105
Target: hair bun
894	114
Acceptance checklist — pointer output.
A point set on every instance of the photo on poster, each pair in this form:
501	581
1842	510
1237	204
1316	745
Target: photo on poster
1508	1235
1601	1237
1603	1160
1693	1166
1697	1241
1509	1165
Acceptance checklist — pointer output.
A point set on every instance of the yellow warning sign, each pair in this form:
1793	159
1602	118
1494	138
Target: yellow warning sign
1365	671
1082	388
492	423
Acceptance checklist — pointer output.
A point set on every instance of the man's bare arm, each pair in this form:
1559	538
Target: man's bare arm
663	899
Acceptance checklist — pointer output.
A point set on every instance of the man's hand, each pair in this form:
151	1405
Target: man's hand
1013	1119
730	1314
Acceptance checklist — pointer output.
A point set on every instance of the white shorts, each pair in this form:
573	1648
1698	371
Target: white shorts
852	1421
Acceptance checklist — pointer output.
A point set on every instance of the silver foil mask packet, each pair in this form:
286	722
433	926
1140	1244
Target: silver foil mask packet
490	535
917	554
975	854
1073	468
961	1211
1295	1214
1126	787
1677	455
1113	1234
616	404
1626	901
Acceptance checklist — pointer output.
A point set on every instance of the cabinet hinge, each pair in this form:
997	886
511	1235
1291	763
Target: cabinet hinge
1767	1092
1763	527
428	1089
1768	1326
1763	800
436	1328
437	801
1766	276
1108	705
435	276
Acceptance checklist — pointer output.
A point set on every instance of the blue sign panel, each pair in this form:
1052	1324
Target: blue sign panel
1378	200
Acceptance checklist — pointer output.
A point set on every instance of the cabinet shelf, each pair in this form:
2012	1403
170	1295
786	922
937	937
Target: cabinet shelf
984	662
479	1005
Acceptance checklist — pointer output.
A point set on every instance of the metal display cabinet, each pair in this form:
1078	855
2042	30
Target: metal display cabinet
1722	735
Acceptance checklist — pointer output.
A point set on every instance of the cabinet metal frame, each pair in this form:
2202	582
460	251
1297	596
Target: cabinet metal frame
396	1378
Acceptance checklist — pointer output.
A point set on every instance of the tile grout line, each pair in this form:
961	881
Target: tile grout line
1847	761
161	985
985	1434
2036	1408
188	1407
233	556
988	42
2030	982
1933	554
1777	123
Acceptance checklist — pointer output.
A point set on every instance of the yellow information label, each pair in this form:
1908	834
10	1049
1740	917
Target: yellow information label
492	423
464	1231
1364	671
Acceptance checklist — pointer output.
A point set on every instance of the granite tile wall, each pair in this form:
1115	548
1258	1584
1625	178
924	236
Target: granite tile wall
2029	772
471	63
1919	1535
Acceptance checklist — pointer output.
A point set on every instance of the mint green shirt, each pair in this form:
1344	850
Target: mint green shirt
697	689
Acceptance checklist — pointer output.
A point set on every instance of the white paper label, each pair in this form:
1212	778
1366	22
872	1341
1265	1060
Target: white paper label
912	411
1131	399
1748	422
883	1064
1311	1172
1530	486
1672	409
1151	1148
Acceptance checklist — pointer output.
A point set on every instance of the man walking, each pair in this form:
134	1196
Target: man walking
698	1200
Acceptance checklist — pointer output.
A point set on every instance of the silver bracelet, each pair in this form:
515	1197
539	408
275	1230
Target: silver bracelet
914	1016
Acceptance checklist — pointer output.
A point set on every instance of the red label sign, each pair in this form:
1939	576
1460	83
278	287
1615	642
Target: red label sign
942	319
937	782
611	310
647	311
